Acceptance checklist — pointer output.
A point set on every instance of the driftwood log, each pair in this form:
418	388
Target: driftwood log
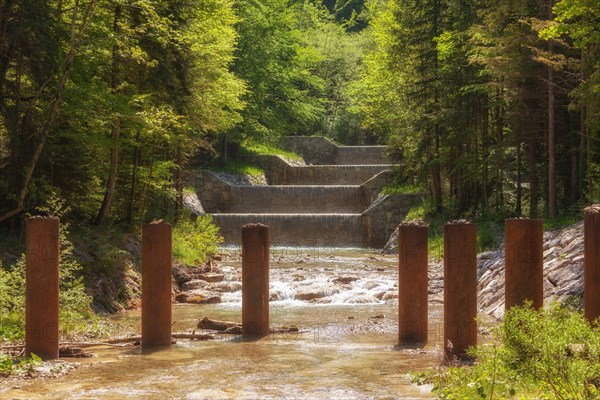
235	328
73	349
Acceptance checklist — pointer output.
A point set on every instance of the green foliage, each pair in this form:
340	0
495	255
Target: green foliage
277	63
238	166
12	303
489	228
401	189
549	354
10	366
460	91
195	241
76	315
249	146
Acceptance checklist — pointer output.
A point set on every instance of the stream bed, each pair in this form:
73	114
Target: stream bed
346	349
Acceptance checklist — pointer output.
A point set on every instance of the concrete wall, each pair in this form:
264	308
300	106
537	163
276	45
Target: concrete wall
352	155
314	149
319	150
383	216
314	230
211	190
326	175
295	199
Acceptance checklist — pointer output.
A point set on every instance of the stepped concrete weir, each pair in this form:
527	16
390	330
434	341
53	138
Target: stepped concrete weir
335	201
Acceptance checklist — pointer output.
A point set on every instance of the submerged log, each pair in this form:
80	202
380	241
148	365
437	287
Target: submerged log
216	325
72	352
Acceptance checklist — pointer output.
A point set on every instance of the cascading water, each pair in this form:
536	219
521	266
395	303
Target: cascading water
328	174
310	205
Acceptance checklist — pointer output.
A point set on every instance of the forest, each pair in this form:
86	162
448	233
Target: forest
490	110
490	107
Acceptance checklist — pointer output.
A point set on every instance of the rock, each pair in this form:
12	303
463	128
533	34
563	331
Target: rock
362	299
133	247
345	279
198	296
391	247
194	284
211	277
379	295
563	270
370	285
224	287
315	291
379	316
181	274
320	301
389	295
192	203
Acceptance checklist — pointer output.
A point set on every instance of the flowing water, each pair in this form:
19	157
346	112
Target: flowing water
346	348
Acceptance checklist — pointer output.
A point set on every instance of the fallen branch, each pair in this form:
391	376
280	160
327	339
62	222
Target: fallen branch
120	342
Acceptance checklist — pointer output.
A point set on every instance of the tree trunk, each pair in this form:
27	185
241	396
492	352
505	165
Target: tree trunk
519	207
44	131
116	130
136	161
533	178
179	183
552	209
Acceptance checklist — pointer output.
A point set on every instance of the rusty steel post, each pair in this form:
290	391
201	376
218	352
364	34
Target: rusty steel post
460	288
524	262
591	273
255	281
412	283
156	284
41	292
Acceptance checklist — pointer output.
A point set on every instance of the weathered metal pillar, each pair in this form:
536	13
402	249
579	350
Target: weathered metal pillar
524	262
156	284
412	283
255	281
591	273
41	293
460	288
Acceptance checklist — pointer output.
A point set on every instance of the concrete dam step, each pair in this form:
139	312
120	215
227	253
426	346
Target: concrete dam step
327	174
367	155
313	230
295	199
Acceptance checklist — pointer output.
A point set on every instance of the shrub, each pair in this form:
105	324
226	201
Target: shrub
76	315
195	241
550	354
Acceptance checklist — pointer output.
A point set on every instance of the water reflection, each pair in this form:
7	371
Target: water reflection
342	351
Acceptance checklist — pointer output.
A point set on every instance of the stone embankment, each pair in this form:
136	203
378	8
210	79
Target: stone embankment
563	271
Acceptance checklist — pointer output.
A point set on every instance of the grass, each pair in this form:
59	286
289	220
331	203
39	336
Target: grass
248	146
401	189
237	166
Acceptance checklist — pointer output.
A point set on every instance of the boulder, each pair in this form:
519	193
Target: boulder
211	277
192	203
345	279
198	296
311	292
194	284
224	286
